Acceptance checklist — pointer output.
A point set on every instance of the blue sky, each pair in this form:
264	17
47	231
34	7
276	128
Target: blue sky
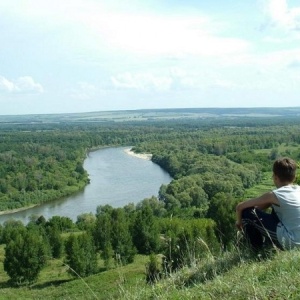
64	56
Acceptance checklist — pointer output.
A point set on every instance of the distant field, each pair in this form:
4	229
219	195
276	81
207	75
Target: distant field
265	186
154	114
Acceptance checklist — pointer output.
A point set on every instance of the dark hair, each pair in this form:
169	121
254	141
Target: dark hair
285	169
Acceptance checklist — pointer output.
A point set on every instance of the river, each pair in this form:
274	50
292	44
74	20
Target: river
117	179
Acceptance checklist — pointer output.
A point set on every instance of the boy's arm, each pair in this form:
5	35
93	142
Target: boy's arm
262	202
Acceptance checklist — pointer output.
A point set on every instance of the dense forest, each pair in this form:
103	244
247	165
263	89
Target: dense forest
213	163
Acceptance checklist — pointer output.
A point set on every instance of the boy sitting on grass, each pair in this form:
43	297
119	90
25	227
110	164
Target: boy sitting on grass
282	225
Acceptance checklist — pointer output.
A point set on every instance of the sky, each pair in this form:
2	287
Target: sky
66	56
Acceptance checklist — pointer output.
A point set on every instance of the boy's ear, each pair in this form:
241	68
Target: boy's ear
275	178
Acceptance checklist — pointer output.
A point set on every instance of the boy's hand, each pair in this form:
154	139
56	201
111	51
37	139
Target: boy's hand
239	225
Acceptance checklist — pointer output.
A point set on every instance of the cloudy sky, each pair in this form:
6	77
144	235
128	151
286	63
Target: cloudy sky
59	56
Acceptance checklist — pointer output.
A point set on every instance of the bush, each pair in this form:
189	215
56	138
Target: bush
25	256
81	255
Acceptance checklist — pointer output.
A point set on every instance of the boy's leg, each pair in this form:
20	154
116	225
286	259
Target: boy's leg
259	225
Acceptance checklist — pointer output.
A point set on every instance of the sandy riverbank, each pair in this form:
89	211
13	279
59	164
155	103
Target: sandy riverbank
7	212
147	156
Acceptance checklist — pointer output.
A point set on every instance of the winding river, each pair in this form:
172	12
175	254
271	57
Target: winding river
117	179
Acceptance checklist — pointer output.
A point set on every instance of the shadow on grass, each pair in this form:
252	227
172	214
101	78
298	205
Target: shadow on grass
4	285
221	265
8	284
210	270
102	269
50	283
55	283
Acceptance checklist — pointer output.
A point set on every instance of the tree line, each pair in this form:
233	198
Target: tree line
114	234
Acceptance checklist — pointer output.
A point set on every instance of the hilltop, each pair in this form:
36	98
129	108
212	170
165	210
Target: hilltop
234	275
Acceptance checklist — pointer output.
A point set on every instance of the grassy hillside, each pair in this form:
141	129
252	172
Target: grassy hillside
232	277
55	283
238	274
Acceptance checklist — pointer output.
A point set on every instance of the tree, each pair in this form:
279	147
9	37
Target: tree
1	231
10	230
145	231
107	254
121	239
25	256
186	241
61	223
102	231
86	221
81	255
55	241
157	206
102	237
222	211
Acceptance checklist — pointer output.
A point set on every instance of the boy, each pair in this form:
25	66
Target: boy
282	226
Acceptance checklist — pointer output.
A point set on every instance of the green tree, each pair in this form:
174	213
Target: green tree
107	254
10	230
61	223
55	241
1	232
121	239
222	211
86	221
186	241
25	256
145	232
157	206
102	234
102	230
81	255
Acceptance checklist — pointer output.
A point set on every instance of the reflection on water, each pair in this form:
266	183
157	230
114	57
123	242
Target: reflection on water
116	179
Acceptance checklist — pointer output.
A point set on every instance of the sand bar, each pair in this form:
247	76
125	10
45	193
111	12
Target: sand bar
147	156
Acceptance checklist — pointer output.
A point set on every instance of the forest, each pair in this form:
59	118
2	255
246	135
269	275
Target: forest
213	162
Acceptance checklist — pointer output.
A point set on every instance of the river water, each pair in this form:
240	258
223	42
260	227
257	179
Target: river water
117	179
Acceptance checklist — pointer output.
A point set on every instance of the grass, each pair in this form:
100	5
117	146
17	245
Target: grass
266	185
55	283
237	274
232	276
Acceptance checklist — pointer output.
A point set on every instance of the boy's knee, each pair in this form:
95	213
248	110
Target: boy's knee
248	213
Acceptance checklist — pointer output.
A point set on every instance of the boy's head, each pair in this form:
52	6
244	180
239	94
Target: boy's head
285	169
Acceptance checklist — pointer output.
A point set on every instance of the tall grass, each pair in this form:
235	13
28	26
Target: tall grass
236	274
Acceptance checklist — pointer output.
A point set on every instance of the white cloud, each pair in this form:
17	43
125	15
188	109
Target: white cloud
6	85
172	79
83	91
225	84
283	16
25	84
142	81
144	33
147	34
